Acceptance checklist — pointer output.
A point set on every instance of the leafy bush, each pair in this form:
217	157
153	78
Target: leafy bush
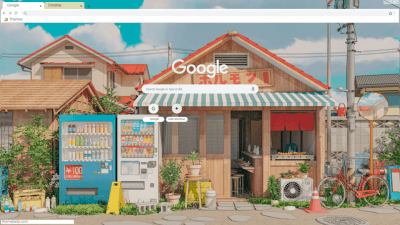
273	188
89	209
170	172
131	210
297	204
392	145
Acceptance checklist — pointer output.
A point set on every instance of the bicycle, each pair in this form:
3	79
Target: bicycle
373	189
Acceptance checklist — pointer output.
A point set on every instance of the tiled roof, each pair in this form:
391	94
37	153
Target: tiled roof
68	63
60	39
39	94
251	43
124	100
377	80
363	108
134	69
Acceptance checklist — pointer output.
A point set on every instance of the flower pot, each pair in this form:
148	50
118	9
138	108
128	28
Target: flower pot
289	177
173	198
274	202
304	175
193	169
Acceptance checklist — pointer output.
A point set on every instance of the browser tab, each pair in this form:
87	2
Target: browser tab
64	5
23	5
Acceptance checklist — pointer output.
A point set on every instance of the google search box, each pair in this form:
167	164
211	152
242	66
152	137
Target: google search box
204	16
199	89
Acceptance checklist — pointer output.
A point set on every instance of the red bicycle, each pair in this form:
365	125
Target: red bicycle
373	189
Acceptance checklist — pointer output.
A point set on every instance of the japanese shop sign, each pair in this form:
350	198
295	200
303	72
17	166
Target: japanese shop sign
260	77
73	172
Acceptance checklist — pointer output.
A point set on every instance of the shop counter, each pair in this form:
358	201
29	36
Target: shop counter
251	155
255	171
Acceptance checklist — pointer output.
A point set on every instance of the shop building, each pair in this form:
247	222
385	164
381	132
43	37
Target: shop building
289	108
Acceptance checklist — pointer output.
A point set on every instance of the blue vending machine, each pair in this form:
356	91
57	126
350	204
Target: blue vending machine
87	158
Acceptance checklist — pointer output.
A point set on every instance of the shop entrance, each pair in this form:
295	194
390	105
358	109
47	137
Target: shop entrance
246	133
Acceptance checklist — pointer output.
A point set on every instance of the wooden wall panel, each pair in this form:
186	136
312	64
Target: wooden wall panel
266	148
320	141
283	82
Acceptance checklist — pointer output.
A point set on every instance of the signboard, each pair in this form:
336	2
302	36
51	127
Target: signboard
260	77
73	172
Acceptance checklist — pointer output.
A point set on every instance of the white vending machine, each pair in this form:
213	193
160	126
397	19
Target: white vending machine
138	158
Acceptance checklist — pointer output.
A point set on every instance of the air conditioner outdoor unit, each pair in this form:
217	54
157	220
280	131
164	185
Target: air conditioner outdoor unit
296	189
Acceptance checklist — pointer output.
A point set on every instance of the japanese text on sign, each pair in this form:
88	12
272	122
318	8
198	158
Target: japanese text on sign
260	77
73	172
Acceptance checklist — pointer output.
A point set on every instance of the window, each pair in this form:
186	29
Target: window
215	134
187	135
238	60
69	47
78	73
112	80
6	130
52	73
140	80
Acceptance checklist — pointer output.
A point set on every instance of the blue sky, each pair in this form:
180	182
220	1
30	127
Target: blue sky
278	38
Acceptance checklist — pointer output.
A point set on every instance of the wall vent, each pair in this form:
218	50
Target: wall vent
238	60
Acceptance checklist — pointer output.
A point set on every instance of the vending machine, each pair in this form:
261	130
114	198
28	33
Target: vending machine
87	158
138	158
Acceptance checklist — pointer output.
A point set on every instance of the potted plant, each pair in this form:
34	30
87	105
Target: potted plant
274	188
170	172
193	168
288	175
304	169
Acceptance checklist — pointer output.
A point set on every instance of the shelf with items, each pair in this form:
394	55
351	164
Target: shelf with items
133	157
75	134
88	154
131	133
138	145
87	147
89	160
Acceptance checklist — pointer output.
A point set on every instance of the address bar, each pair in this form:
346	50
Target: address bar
208	16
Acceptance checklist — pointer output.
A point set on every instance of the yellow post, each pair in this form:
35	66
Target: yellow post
116	199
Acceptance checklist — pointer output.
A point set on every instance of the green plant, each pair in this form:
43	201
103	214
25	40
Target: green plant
108	102
194	156
31	143
304	167
170	173
273	188
288	174
84	209
392	145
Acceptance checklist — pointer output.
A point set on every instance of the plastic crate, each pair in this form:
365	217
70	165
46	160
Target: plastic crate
34	197
193	192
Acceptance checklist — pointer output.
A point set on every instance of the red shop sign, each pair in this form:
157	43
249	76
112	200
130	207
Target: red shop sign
73	172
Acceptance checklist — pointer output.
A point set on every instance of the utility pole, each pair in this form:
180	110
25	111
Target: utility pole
169	55
351	107
328	73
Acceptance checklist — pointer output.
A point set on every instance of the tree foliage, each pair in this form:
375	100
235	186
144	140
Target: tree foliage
108	102
171	173
392	146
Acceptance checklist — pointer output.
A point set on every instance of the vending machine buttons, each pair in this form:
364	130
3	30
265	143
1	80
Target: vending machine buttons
151	164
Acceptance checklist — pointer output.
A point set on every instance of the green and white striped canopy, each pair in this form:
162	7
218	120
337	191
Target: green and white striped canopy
258	99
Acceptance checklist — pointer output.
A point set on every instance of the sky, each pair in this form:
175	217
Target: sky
370	99
23	39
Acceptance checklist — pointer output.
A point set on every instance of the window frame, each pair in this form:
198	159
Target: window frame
223	134
112	80
77	72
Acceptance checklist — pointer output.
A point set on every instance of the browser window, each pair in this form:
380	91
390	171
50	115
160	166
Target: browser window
261	101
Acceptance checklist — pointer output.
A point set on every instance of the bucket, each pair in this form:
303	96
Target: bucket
211	198
341	111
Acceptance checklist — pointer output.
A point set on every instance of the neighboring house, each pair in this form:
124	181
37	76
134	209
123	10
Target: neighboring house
386	84
21	98
66	58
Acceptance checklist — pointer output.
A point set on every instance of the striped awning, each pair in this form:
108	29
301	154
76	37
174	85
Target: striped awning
258	99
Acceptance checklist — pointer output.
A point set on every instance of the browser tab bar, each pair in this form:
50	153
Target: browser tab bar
64	5
23	5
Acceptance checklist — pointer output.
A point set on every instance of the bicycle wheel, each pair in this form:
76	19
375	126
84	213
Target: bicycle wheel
331	200
378	184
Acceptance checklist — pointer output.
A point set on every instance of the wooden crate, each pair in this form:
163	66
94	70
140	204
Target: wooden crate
34	197
294	157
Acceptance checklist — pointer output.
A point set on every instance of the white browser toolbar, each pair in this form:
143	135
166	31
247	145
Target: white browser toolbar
199	88
24	14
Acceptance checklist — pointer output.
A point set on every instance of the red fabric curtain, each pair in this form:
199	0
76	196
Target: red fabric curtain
292	122
306	121
278	121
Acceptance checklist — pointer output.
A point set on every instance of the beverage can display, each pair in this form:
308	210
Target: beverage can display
77	155
148	128
105	128
130	152
144	152
152	139
85	155
106	141
89	128
123	152
101	128
123	140
89	154
101	141
69	129
85	128
141	139
69	142
152	152
82	140
106	154
81	155
102	154
73	129
98	154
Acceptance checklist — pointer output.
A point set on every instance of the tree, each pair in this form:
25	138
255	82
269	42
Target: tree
392	146
108	102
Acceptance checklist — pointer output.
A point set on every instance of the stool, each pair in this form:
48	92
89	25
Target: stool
233	172
241	183
188	180
235	185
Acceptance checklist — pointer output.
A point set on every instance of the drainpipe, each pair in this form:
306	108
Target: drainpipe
29	71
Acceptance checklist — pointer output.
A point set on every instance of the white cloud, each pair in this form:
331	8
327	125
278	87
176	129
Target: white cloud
16	76
218	7
340	97
370	99
338	45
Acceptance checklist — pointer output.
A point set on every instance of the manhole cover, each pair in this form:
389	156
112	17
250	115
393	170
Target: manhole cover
342	220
